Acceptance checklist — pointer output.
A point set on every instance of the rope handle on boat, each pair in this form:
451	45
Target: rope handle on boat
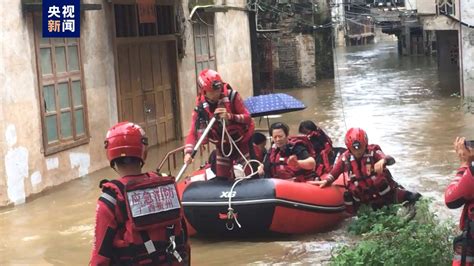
231	215
230	211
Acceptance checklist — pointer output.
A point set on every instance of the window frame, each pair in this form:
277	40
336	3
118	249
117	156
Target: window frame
211	57
55	79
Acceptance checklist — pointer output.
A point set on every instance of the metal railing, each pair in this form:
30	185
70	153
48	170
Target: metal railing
170	158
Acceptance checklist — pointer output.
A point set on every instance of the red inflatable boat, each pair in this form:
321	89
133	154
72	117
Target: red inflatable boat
257	206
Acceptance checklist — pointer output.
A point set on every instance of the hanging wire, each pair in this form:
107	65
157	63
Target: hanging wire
207	24
267	7
338	86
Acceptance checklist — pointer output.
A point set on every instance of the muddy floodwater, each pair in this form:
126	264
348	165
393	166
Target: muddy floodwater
397	100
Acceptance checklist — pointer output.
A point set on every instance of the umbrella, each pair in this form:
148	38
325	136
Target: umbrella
272	104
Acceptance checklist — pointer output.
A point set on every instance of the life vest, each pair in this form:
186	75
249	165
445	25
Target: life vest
363	182
279	160
259	153
151	228
323	160
236	131
463	245
322	146
319	140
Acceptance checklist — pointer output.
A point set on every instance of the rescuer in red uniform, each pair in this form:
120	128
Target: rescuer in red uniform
460	192
217	98
139	218
369	182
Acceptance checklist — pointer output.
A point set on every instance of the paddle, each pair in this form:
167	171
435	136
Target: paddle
196	147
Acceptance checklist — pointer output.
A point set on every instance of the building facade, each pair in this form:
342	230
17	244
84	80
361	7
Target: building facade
59	96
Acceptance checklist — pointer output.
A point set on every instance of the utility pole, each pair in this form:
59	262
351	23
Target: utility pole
323	38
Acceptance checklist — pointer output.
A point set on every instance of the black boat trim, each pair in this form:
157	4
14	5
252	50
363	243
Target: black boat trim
286	203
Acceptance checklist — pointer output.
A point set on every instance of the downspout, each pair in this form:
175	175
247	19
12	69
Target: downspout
461	77
218	8
196	8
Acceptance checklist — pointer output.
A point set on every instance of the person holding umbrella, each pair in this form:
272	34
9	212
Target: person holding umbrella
234	131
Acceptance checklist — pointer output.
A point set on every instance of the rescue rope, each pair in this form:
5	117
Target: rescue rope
338	81
231	215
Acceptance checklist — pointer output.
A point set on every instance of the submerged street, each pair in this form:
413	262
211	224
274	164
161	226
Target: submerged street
397	100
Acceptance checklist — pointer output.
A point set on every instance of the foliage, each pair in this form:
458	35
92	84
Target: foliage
389	238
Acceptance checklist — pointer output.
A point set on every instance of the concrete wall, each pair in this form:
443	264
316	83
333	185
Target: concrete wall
411	4
26	169
467	53
338	19
381	37
438	23
233	53
306	59
426	7
233	56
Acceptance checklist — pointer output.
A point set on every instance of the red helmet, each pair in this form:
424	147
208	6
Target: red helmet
209	80
356	137
126	139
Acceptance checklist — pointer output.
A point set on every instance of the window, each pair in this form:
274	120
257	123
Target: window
127	23
204	42
62	93
447	7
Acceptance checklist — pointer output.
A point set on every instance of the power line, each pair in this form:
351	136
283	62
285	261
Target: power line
301	21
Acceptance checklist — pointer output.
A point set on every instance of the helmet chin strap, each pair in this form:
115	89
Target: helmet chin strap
211	101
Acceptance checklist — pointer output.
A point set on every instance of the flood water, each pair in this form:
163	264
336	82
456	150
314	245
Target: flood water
397	100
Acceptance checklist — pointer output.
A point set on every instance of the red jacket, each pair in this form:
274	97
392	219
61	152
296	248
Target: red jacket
115	230
340	167
364	183
239	116
278	159
460	192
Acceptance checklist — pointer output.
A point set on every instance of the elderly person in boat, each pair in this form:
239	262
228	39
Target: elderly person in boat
289	157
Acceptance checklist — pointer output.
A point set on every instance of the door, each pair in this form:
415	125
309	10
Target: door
146	88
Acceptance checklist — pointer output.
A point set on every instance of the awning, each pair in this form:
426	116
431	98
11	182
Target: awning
37	5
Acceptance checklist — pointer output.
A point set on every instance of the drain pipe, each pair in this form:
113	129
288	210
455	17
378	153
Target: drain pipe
461	77
196	8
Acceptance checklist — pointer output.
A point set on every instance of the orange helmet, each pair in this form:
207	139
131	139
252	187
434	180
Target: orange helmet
356	137
209	80
125	139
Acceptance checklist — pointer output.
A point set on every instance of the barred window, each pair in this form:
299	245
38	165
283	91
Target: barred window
447	7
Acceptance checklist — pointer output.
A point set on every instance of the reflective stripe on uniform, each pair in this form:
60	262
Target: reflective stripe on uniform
468	258
109	198
385	191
